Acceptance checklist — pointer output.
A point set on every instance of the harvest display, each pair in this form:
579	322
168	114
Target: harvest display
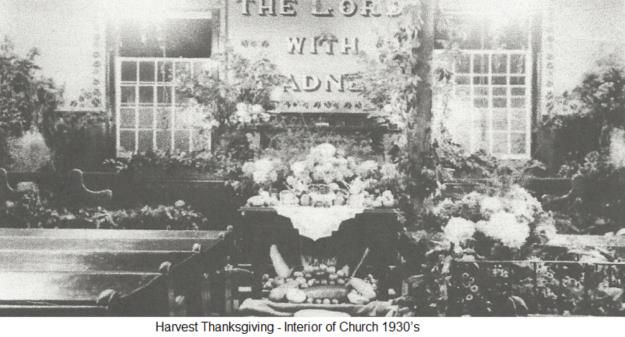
324	178
322	283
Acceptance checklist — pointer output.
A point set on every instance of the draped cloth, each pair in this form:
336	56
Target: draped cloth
317	222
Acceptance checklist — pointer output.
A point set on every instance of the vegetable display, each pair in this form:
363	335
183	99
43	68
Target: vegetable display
322	284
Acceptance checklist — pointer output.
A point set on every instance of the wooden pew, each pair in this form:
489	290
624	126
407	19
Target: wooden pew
109	240
79	293
116	272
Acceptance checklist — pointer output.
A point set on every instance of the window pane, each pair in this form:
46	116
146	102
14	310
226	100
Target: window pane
183	70
146	95
480	102
518	91
146	118
181	97
191	38
127	118
480	80
480	64
499	91
163	140
500	120
500	80
463	64
517	80
481	91
500	102
163	120
165	72
500	143
463	80
182	141
145	141
515	34
462	91
128	95
519	143
519	120
129	71
500	64
482	127
518	102
517	64
138	39
164	95
474	31
127	140
146	71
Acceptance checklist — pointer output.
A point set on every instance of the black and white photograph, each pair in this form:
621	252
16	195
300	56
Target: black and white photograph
312	158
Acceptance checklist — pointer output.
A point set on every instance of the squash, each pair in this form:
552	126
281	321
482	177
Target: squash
363	288
281	268
326	292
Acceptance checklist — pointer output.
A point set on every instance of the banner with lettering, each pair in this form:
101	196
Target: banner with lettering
318	44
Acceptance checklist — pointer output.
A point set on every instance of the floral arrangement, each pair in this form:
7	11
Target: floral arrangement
509	217
27	212
247	114
241	99
324	178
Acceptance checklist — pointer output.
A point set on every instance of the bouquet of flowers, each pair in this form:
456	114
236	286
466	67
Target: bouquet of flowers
324	178
247	114
509	217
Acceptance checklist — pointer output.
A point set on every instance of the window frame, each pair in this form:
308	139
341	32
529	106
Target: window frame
216	15
530	83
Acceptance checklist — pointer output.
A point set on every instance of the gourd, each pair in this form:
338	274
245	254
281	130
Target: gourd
281	268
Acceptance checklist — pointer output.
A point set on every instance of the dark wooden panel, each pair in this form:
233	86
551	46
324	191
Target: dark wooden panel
77	261
39	288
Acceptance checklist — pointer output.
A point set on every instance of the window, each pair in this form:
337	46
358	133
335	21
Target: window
491	106
152	57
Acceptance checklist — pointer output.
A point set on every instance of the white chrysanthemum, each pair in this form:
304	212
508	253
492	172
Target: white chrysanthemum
265	171
243	108
546	227
299	169
504	227
522	210
366	168
389	171
358	186
322	153
445	208
472	200
291	181
490	206
517	192
459	230
249	168
257	109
